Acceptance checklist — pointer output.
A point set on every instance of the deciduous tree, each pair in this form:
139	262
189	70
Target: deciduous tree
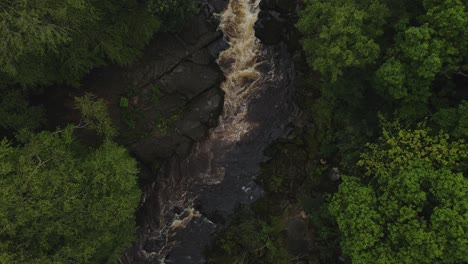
412	206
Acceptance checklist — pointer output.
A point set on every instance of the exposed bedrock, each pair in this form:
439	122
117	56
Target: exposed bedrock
226	116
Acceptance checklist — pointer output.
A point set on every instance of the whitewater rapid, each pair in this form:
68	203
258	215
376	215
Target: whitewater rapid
197	195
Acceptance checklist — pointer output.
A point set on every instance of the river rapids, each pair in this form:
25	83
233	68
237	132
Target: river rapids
196	195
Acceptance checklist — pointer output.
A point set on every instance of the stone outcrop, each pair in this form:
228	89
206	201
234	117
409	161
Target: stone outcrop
182	71
276	21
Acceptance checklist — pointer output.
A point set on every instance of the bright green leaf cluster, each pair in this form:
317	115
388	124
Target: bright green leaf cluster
413	208
95	115
399	146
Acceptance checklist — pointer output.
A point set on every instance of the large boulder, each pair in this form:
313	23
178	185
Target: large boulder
202	56
269	28
287	6
201	114
216	47
167	50
206	108
169	104
192	129
162	54
197	32
189	79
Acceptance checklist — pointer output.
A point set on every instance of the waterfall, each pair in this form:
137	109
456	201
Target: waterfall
195	192
239	62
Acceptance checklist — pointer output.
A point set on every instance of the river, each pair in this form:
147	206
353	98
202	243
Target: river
197	195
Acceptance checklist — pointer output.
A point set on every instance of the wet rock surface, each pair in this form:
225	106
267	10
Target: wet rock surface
195	196
201	182
276	21
270	28
173	99
175	91
180	73
180	234
188	80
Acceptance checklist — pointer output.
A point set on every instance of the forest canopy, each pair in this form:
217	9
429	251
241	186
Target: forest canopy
382	87
64	199
63	202
391	114
406	60
46	42
411	203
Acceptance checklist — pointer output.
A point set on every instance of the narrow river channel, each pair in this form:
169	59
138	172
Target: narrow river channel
197	195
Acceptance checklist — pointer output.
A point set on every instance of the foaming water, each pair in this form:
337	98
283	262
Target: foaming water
197	194
243	81
239	64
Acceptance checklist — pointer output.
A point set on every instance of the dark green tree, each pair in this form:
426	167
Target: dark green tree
16	112
454	120
399	58
172	12
251	240
341	34
434	47
59	41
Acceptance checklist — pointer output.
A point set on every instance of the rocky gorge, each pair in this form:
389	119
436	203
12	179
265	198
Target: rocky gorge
196	167
199	147
233	131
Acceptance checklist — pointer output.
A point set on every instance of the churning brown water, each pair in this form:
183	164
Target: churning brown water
240	61
196	195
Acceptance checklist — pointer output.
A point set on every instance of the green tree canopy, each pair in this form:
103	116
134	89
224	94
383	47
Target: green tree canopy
251	240
16	112
340	34
426	36
59	41
454	120
399	58
62	201
413	205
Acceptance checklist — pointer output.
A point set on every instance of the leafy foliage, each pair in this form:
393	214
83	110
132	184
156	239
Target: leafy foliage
398	146
251	240
16	112
413	208
172	12
63	203
398	58
340	34
95	116
48	41
454	120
